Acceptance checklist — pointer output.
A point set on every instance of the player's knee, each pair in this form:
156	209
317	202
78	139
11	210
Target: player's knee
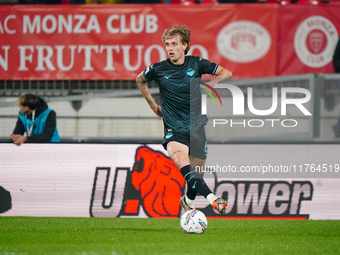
180	163
200	174
180	160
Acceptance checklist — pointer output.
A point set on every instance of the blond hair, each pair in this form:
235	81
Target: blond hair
182	30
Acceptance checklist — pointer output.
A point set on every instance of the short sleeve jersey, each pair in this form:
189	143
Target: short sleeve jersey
180	92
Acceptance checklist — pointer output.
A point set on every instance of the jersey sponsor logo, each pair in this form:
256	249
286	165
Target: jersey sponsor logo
154	185
243	41
190	72
315	40
167	77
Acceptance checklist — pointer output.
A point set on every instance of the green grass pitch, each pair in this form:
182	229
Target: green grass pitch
82	236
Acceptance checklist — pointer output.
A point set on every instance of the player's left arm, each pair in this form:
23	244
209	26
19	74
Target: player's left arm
222	74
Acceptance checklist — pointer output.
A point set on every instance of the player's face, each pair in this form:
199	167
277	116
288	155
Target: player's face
175	49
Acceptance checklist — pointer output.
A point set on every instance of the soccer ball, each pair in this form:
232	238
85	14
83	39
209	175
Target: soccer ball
194	222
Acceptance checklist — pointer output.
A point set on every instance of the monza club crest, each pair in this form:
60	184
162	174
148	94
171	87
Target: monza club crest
315	40
243	41
153	186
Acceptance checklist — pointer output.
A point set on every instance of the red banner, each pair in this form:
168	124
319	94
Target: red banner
119	41
308	37
116	42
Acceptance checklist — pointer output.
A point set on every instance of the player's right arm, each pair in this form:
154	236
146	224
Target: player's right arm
143	87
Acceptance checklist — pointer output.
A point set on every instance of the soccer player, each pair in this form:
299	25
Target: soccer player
184	134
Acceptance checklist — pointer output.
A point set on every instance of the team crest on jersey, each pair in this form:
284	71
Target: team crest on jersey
190	72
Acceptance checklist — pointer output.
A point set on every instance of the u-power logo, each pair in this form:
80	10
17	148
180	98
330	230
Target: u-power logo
238	106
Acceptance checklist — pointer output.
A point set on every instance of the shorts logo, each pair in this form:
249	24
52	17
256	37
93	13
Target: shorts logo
315	40
168	135
243	41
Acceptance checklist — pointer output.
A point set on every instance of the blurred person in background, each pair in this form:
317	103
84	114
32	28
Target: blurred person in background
336	65
26	2
336	58
48	1
77	2
36	120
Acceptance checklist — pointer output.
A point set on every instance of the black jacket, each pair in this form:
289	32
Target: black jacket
51	123
336	58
